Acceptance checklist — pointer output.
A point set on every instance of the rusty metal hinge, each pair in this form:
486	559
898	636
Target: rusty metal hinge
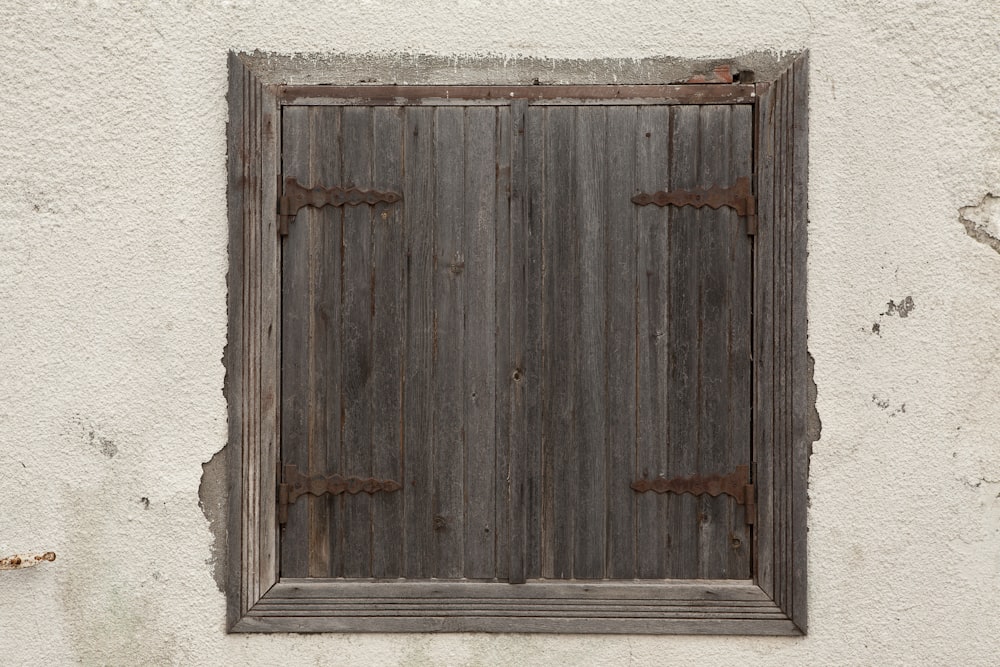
736	484
738	197
296	196
295	484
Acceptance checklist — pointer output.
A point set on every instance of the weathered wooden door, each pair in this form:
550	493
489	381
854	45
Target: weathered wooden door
639	328
389	326
515	342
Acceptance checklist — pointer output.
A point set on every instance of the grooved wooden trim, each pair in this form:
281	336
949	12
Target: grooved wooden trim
773	603
251	357
782	370
655	607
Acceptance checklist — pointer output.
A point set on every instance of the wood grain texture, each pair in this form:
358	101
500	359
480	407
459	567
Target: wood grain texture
654	336
325	258
715	514
739	380
388	361
620	327
296	399
711	607
514	477
803	408
268	331
478	345
374	95
782	370
418	392
684	387
562	269
251	357
589	314
560	480
725	289
356	356
763	308
237	600
449	361
530	331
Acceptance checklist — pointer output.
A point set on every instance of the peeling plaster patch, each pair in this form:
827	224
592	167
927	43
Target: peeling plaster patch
982	221
975	483
814	424
212	500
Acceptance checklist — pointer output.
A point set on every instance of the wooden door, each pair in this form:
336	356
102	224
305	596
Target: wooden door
640	331
388	326
516	342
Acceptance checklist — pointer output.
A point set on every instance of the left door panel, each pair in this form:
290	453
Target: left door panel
388	360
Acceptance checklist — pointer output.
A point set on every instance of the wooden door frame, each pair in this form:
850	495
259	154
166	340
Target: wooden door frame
773	603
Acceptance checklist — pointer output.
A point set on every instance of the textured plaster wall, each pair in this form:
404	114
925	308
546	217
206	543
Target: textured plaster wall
113	316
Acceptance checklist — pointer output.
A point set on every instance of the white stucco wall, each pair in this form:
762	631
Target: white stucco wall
113	317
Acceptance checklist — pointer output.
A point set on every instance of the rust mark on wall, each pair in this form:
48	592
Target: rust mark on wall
16	562
719	74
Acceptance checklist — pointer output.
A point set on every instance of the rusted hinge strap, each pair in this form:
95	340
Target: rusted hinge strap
296	196
736	484
738	197
295	484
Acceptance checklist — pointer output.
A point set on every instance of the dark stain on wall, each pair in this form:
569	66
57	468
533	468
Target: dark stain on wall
903	308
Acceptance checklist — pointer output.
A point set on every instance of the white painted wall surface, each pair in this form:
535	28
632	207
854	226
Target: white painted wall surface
113	317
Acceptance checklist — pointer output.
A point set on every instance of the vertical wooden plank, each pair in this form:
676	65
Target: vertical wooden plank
531	331
763	317
326	547
685	390
449	352
722	234
268	334
802	371
317	546
387	343
418	390
714	514
253	241
739	373
590	362
511	469
784	296
779	436
480	334
298	351
356	341
235	352
655	341
560	342
621	222
294	347
252	353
